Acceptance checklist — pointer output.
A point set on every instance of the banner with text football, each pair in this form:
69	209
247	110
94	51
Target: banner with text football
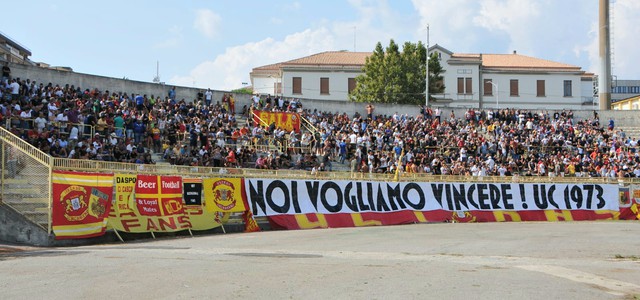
81	204
269	197
159	195
224	194
285	120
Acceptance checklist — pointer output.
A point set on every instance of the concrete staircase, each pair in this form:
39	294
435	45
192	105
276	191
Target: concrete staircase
27	193
631	131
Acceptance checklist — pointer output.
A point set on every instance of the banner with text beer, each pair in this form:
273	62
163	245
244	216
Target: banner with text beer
285	120
159	195
297	204
224	194
81	204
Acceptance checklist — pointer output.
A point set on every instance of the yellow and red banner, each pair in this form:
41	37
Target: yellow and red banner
317	220
126	216
159	195
224	194
200	218
81	204
285	120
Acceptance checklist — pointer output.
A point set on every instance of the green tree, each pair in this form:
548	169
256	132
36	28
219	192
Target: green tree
370	85
391	76
436	80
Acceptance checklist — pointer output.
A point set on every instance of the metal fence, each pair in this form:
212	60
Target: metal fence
25	182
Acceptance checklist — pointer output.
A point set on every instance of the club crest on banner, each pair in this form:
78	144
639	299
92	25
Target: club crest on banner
98	202
463	217
223	191
75	204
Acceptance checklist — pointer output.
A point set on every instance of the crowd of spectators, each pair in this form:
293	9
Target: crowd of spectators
69	122
507	142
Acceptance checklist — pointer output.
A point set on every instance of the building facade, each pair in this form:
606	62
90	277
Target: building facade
624	89
11	51
471	80
631	103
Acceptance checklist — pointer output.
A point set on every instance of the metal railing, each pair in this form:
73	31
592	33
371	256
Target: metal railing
199	171
26	179
60	126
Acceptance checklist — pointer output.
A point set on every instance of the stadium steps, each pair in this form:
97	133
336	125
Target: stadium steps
27	193
631	131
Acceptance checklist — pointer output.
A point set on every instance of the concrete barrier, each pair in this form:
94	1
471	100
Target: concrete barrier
103	83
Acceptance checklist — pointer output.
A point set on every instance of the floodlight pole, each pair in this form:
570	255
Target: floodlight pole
426	92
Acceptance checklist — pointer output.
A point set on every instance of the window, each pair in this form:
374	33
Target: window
324	86
351	85
567	88
540	88
513	88
277	88
297	85
464	86
488	87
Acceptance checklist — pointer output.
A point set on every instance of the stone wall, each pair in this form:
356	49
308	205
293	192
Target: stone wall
103	83
627	118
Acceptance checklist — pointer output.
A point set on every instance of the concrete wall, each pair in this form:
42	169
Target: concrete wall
103	83
15	228
622	118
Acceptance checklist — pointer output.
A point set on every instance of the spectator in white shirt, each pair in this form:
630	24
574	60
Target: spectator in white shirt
40	123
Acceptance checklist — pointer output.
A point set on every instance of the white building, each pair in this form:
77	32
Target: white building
471	80
324	76
624	89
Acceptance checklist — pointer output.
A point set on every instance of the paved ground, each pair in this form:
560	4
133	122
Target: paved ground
578	260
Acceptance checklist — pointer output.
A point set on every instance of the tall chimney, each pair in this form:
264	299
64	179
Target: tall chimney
604	78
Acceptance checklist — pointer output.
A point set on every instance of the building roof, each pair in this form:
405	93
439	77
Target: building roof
489	61
517	61
270	67
268	70
332	58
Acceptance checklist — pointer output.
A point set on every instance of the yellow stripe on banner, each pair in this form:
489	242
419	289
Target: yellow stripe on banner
147	196
100	181
84	176
420	216
75	230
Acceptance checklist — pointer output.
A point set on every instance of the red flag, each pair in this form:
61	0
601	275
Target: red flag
250	224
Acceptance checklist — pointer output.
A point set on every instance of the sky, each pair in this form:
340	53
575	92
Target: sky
215	44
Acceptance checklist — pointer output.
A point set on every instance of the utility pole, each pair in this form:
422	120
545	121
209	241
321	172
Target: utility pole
604	86
426	91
